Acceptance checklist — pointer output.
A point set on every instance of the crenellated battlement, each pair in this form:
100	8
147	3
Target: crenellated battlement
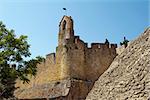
99	46
103	46
114	46
51	55
80	44
51	58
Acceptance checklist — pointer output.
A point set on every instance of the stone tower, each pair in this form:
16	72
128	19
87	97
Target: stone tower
65	30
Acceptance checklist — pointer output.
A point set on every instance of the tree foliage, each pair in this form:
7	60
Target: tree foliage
13	51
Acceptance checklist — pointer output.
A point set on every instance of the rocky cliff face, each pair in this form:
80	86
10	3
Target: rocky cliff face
128	77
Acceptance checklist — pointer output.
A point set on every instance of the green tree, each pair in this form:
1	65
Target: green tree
13	51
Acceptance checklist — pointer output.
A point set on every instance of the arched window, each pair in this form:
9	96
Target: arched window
64	25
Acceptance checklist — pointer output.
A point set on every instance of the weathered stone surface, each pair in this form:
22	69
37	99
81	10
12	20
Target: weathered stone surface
61	90
128	77
47	90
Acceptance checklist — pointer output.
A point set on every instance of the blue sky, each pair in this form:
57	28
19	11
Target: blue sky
94	20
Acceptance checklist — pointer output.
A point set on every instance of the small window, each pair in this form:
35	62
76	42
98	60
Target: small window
64	25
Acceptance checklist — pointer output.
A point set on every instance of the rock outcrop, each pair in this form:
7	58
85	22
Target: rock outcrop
128	77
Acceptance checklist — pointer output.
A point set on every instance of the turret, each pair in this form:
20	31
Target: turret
65	30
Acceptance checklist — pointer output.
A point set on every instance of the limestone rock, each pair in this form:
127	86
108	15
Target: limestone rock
42	91
128	77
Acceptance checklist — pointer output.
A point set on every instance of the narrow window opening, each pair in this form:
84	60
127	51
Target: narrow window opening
64	25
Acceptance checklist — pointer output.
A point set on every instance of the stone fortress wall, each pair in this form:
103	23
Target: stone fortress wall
88	63
73	60
81	62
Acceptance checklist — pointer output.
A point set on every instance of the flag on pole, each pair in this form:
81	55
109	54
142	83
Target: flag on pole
64	9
